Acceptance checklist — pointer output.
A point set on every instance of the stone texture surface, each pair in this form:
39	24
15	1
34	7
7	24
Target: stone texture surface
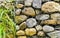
20	32
37	3
18	11
55	34
30	31
53	22
23	26
48	28
19	5
42	17
38	27
19	19
31	22
50	7
28	2
55	16
36	18
41	33
28	11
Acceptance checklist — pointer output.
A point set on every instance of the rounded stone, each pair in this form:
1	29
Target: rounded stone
37	11
37	3
30	31
20	32
18	11
42	17
28	2
22	26
17	27
48	28
38	27
50	7
55	34
31	22
41	33
22	37
19	5
28	11
19	19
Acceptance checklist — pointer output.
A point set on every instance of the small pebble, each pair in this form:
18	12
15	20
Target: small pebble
17	27
41	33
38	27
18	11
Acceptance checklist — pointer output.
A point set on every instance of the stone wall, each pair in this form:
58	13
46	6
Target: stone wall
37	18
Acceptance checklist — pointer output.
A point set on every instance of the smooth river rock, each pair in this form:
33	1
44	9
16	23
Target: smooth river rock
48	28
42	17
55	34
31	22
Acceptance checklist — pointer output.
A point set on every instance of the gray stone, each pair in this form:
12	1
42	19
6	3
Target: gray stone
31	22
28	2
42	17
46	0
17	27
38	27
48	28
18	11
35	36
37	3
55	34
